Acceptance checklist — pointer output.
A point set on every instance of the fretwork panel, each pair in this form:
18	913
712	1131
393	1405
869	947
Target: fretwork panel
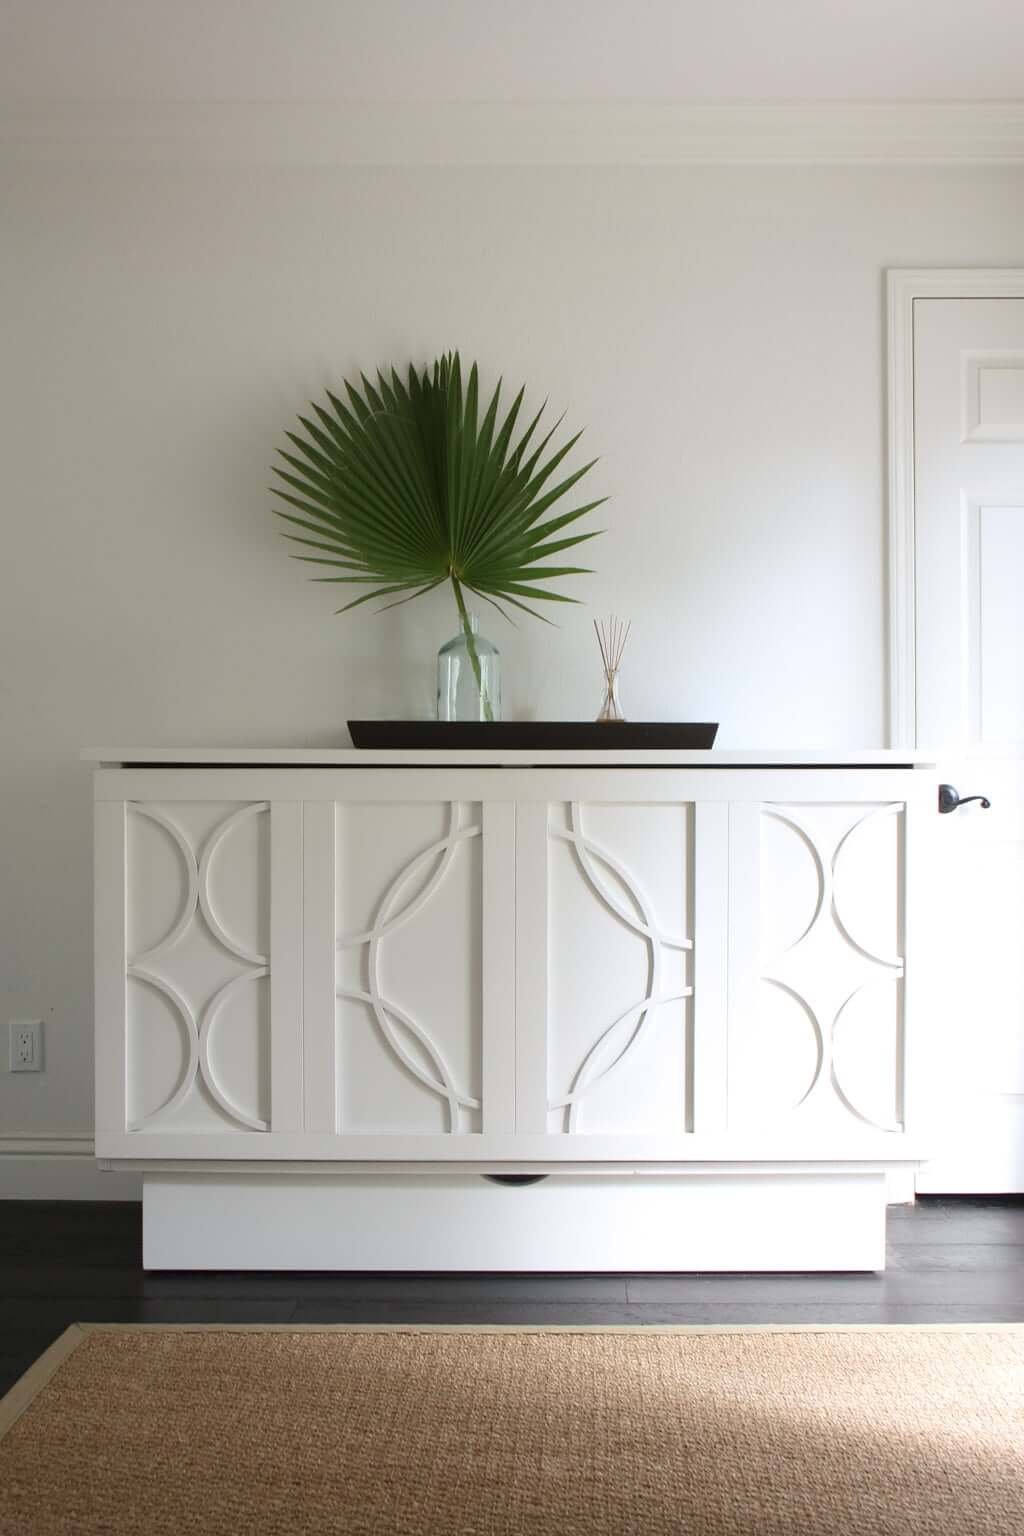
820	1039
408	967
619	987
197	910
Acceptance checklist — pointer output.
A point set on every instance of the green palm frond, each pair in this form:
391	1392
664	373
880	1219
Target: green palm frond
401	486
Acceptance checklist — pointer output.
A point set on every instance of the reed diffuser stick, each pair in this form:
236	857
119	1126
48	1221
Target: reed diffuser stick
612	635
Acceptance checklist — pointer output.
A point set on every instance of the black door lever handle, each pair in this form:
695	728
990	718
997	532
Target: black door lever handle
949	800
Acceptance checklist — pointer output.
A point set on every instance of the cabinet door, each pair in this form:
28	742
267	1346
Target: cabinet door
818	962
198	963
409	942
330	975
621	919
726	971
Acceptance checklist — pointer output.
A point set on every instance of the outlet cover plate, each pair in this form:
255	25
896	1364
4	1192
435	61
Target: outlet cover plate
26	1045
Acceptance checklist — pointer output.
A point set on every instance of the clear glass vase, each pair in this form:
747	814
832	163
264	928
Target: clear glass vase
469	676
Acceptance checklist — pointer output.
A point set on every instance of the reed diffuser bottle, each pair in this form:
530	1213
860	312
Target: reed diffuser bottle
612	635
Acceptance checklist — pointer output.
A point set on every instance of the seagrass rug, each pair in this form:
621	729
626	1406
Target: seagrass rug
910	1431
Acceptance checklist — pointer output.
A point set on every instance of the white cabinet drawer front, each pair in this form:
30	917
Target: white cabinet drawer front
409	984
816	1035
197	966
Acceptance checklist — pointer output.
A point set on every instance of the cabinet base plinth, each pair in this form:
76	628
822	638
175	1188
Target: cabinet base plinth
813	1219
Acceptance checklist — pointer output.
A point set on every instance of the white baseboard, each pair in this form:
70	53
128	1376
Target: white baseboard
59	1166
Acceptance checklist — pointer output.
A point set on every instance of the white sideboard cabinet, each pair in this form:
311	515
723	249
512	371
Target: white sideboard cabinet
342	998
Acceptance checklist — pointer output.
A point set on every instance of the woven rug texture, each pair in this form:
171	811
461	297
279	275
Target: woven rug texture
902	1432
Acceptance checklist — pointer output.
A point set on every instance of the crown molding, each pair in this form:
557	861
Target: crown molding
497	133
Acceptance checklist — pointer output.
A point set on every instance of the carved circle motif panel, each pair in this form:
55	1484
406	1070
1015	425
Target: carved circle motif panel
619	1039
829	920
390	915
198	907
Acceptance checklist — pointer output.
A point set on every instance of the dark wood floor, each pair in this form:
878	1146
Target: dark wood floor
949	1261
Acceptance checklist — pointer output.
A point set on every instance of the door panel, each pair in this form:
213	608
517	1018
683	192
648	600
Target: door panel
816	1028
619	953
995	618
409	984
969	558
197	992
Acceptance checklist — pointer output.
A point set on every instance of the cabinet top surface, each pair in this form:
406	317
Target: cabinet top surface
352	757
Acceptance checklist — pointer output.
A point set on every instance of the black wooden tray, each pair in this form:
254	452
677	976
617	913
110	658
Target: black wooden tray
520	735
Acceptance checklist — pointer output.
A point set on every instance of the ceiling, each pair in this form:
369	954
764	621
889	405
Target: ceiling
718	51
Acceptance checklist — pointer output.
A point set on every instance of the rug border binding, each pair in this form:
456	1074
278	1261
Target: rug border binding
41	1372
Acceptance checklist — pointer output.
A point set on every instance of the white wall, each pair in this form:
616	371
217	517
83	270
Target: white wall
718	331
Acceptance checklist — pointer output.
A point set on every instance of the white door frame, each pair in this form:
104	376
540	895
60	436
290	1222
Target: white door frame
903	286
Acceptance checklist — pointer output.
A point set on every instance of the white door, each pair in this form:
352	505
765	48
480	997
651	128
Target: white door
969	577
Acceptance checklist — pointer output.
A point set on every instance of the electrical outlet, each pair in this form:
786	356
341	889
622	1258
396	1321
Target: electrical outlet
26	1045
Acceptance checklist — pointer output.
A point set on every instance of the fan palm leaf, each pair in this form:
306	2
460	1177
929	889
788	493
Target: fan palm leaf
404	485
